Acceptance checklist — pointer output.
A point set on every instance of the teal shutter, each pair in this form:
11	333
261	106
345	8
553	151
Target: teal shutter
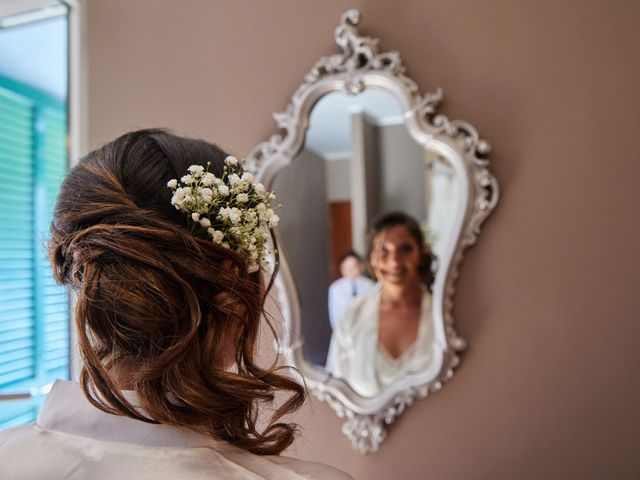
54	297
34	312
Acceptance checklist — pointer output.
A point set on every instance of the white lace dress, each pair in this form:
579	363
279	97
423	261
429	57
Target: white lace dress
356	356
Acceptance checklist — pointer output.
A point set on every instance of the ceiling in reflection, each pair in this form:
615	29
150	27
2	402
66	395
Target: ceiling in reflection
329	127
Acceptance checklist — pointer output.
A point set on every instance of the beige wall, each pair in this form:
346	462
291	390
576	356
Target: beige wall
548	299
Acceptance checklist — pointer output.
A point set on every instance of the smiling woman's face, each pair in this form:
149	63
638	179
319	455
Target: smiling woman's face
395	257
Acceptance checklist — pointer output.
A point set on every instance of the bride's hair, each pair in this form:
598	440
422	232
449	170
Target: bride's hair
149	294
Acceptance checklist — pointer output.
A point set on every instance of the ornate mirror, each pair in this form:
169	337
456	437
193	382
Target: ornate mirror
358	140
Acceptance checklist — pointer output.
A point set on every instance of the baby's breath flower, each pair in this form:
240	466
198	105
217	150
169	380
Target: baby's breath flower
240	187
178	196
223	213
260	235
235	216
218	236
206	199
196	170
208	179
206	195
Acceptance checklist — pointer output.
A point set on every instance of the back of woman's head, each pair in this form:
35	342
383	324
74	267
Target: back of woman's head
395	218
173	309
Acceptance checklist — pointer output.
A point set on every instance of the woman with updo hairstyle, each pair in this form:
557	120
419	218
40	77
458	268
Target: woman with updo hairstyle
389	333
166	322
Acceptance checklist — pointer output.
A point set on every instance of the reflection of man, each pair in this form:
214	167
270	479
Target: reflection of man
352	284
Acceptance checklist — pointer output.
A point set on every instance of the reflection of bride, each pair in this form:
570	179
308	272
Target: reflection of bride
382	336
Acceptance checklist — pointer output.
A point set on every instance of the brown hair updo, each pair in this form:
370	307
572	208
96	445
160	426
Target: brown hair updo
151	295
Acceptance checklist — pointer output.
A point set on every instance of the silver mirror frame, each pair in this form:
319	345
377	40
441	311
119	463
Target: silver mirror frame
361	66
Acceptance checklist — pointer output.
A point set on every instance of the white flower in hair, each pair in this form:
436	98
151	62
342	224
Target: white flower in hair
235	216
208	179
230	210
178	198
206	195
247	177
218	236
223	213
233	179
196	170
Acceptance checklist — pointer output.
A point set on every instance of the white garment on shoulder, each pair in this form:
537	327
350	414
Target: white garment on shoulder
342	292
356	356
73	440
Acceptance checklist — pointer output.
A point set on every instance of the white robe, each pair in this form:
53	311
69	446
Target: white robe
356	356
73	440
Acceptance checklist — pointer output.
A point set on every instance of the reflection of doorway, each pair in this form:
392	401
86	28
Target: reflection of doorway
340	234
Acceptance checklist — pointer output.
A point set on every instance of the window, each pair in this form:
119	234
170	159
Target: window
34	311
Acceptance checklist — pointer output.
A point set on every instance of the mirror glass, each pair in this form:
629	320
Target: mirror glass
358	162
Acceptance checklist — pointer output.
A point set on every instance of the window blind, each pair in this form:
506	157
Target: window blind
34	313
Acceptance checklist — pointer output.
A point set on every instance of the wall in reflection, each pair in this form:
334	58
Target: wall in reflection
301	188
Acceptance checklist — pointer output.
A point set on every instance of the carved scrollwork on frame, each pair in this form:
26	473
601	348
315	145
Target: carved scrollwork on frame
359	68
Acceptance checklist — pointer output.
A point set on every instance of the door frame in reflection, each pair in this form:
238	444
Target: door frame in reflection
340	234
